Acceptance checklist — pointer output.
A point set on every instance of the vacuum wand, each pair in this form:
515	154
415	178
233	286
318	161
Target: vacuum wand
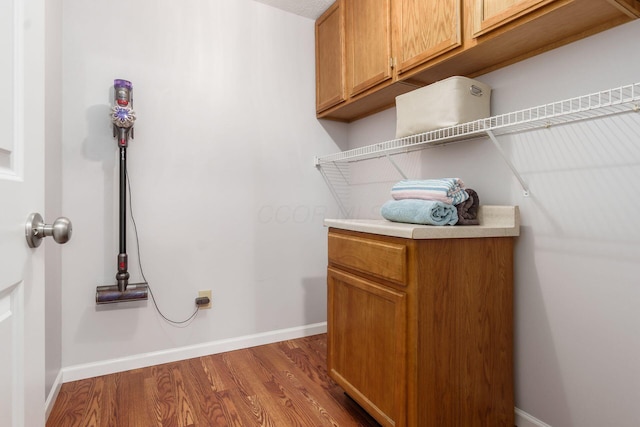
122	118
123	264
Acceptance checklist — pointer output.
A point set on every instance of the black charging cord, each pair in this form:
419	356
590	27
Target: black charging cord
135	229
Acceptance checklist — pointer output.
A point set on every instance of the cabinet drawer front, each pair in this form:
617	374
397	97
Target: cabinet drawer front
378	258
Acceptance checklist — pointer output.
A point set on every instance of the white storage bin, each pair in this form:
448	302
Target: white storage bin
442	104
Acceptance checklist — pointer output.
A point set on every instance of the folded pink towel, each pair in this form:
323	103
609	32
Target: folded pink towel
445	190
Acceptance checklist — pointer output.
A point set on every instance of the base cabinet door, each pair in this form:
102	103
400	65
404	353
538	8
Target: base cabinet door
366	344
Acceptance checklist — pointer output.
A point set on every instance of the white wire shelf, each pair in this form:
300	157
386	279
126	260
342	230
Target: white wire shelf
599	104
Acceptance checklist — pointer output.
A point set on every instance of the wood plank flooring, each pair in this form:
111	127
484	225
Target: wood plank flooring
283	384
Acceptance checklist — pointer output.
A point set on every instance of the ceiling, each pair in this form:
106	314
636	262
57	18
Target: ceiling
307	8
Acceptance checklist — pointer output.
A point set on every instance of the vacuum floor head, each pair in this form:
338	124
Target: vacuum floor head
111	294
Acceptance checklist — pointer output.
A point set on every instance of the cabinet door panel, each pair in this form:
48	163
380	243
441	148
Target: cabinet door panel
330	58
492	14
366	344
424	30
630	7
368	43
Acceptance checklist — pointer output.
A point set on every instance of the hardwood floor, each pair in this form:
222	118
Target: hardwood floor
283	384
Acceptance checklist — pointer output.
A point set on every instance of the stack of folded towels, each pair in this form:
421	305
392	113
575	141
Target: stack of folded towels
443	201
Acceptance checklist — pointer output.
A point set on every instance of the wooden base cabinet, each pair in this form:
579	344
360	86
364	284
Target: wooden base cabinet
420	332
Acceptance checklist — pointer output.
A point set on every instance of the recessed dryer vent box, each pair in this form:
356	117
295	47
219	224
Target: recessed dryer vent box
442	104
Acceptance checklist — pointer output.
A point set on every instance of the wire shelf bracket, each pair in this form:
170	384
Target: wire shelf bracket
514	170
609	102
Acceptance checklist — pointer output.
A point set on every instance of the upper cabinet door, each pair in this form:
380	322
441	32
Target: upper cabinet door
330	58
491	14
424	29
368	44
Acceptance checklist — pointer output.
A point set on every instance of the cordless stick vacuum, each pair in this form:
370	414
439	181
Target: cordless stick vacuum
122	117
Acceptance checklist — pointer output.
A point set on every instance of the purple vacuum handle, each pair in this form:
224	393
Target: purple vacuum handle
122	114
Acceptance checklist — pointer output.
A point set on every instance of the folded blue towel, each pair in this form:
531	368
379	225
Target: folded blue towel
416	211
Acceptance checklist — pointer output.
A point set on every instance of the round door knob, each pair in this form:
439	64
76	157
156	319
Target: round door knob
36	230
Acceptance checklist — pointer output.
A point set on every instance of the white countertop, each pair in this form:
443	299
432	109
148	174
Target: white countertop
495	221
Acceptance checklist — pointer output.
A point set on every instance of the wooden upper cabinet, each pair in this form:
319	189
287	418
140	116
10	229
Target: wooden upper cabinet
424	29
330	58
370	51
492	14
368	31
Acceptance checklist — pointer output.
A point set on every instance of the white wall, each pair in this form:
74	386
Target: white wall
225	194
577	303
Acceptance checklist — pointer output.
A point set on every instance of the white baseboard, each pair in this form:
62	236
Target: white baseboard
525	420
105	367
53	395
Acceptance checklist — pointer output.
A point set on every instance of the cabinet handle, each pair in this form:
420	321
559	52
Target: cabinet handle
475	90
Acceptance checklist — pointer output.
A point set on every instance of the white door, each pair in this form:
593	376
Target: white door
21	192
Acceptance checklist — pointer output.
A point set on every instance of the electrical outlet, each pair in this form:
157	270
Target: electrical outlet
207	294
